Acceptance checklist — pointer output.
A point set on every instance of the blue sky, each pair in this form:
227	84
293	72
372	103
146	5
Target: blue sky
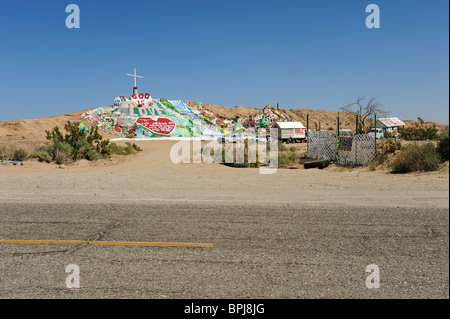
301	54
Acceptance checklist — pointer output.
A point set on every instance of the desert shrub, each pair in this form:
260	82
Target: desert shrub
419	133
388	135
380	160
62	158
62	148
54	149
128	149
13	153
391	146
286	159
443	145
281	146
20	154
117	149
292	149
283	160
131	148
79	139
82	147
77	144
415	157
43	149
134	146
93	155
124	150
42	156
4	153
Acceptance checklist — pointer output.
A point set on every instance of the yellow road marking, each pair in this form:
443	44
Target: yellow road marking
147	243
104	243
39	242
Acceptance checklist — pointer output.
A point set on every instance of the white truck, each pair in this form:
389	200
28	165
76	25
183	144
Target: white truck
379	133
293	132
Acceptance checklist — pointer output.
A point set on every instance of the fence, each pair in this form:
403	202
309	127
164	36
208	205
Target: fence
359	149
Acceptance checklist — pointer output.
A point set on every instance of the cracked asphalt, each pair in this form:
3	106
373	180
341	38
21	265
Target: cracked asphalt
259	251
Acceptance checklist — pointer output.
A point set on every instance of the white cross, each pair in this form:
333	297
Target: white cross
135	76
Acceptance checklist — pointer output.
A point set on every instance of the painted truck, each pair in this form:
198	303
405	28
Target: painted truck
291	132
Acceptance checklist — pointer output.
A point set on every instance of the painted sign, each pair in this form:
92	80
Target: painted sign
299	131
143	99
162	125
146	111
345	143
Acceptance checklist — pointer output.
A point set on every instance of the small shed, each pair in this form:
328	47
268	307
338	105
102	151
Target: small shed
291	131
390	124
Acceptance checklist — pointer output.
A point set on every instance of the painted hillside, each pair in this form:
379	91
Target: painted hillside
142	116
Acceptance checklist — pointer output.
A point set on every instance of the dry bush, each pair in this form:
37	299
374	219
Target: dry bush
417	157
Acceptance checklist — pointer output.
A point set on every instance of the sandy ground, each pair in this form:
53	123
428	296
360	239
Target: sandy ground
151	175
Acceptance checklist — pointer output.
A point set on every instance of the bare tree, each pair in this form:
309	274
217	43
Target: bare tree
365	111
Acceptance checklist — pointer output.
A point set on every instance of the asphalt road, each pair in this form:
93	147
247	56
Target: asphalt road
265	251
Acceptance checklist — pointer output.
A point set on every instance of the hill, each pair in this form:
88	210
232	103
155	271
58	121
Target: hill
32	131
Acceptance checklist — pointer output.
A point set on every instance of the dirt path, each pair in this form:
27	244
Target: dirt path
150	175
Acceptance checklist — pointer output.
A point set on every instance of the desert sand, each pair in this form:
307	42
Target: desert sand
150	175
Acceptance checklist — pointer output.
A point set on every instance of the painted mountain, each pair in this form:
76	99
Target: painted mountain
142	116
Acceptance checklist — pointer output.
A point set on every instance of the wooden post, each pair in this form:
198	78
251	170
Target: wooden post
307	125
357	129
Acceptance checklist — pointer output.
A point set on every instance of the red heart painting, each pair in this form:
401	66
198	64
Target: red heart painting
162	125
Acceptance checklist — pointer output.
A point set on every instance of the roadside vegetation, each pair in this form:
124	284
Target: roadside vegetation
443	145
78	144
288	157
13	153
67	148
417	157
427	151
419	132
